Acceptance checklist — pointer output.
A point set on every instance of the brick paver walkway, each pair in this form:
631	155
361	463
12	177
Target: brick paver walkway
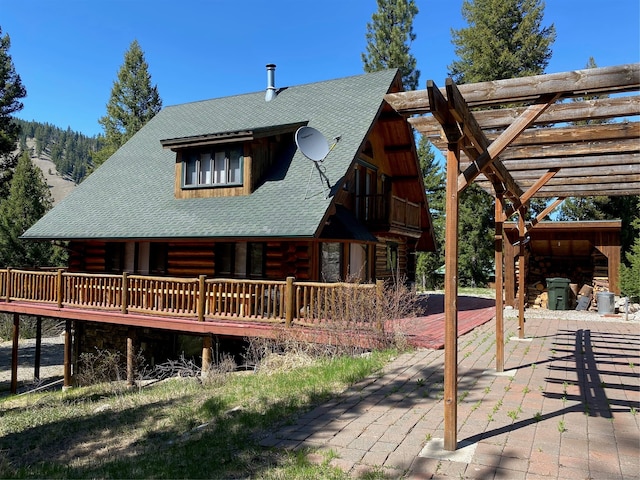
566	408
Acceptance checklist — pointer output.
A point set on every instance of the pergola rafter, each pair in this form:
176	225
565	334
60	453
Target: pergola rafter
517	140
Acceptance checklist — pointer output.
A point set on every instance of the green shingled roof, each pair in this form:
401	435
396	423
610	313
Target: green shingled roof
131	195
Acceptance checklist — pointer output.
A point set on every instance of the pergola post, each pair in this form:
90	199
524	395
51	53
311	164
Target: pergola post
451	301
521	274
499	284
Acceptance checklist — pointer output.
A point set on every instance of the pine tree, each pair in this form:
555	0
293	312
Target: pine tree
11	91
133	102
504	39
29	199
389	37
433	175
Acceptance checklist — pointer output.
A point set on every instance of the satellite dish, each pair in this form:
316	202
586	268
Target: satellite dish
312	143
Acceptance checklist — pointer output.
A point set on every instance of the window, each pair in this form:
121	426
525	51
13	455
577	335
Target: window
114	257
213	168
240	260
158	258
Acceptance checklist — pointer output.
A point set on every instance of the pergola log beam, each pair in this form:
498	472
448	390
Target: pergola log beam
577	83
474	134
532	190
599	109
504	140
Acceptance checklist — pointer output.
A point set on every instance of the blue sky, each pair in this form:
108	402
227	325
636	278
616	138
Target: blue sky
68	52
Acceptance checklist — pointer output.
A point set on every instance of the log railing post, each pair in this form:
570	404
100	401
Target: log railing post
379	300
8	292
201	297
288	298
59	287
125	292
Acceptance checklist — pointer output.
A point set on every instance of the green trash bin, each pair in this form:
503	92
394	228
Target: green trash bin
558	289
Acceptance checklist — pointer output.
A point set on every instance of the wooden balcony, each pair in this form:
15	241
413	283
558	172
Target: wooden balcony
127	299
387	211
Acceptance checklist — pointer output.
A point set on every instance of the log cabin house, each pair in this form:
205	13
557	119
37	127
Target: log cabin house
220	188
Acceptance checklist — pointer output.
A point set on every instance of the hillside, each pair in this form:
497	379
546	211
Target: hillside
64	156
60	187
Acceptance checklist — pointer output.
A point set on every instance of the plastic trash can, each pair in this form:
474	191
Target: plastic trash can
606	303
559	294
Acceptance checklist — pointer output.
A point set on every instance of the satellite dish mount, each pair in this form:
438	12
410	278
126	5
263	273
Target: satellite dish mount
315	147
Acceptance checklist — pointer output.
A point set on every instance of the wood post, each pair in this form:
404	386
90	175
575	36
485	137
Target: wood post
451	301
8	286
521	277
131	357
289	304
14	354
67	383
60	288
201	297
379	299
498	240
206	354
125	293
36	362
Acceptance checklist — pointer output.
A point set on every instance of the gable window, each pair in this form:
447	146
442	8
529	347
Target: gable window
219	167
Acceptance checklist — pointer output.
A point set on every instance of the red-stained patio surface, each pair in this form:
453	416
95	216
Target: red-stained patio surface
427	331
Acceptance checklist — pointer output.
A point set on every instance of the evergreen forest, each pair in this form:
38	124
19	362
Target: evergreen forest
71	152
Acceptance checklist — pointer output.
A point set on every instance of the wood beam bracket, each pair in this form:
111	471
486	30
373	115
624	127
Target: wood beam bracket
494	149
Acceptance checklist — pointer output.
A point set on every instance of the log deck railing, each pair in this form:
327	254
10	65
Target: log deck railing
202	298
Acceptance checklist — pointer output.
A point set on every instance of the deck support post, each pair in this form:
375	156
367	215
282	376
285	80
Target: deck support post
66	384
521	276
131	357
14	354
451	301
207	344
498	239
36	362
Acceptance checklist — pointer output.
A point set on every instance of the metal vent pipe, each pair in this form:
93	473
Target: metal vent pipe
271	82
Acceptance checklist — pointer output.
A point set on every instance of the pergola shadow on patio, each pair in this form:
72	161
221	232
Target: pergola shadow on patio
526	143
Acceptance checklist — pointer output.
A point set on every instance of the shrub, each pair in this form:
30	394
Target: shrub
630	275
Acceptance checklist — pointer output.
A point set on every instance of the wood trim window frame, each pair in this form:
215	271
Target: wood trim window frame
206	167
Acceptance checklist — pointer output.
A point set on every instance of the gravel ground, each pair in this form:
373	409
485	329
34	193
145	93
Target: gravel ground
573	315
51	363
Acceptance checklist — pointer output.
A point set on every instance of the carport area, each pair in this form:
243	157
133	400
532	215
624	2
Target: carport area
541	136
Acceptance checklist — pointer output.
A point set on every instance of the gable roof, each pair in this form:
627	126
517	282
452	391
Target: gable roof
131	196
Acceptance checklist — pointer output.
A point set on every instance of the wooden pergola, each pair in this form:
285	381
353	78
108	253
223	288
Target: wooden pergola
560	135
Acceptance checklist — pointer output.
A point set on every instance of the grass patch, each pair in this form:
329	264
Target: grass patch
177	428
